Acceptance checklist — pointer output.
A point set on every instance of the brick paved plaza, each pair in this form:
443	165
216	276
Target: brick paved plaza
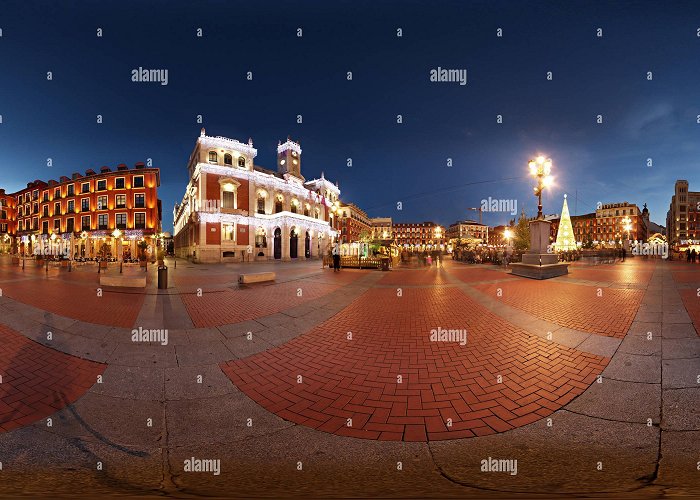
329	384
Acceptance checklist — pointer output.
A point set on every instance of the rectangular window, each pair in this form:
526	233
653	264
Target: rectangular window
228	232
227	200
70	225
20	226
57	209
85	205
85	187
71	206
101	203
45	227
120	201
139	200
46	196
102	221
57	225
121	221
71	190
85	223
138	181
57	193
119	183
102	185
46	211
140	220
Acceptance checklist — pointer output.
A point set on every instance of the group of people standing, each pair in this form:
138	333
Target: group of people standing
691	256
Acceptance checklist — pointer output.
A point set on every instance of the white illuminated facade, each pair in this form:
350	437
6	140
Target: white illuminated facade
234	210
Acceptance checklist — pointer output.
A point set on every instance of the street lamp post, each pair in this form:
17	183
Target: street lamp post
540	168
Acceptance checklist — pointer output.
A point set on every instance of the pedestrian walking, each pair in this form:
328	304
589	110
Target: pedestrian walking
693	256
336	257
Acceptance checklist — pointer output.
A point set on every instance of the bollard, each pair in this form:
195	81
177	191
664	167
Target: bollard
22	263
98	267
176	263
121	264
47	266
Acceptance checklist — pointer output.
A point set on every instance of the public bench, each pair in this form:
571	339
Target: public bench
256	277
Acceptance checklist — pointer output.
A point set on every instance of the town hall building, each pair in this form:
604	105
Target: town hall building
234	210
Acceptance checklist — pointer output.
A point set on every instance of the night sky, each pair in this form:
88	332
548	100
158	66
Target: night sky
357	119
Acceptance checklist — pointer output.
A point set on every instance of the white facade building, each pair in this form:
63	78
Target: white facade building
234	210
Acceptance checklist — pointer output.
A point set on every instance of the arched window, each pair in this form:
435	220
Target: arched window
306	210
241	162
261	204
213	157
228	159
278	204
295	206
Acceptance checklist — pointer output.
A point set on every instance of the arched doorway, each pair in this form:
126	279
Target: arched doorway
293	244
278	243
307	245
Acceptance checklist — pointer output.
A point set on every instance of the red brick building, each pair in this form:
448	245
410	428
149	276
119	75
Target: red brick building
607	224
8	221
354	223
84	211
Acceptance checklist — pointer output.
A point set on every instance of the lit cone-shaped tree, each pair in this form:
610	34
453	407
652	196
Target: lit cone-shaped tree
565	233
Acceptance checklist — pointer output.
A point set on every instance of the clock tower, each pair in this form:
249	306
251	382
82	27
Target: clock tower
289	158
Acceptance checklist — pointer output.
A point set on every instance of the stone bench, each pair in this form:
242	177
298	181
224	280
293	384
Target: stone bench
123	281
256	277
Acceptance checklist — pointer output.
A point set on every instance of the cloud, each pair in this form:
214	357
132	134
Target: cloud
651	120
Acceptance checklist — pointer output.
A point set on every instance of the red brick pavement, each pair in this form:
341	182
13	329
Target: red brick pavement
572	306
357	379
619	274
37	381
471	274
687	274
691	301
77	301
233	306
422	276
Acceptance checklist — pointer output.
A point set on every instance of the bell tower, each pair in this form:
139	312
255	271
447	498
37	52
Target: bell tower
289	158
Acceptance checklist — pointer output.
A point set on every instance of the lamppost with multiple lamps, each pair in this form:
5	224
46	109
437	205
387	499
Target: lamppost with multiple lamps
541	168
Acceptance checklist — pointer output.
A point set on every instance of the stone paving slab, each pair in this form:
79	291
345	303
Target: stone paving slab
621	401
561	459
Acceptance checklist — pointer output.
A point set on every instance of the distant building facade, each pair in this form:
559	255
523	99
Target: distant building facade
467	229
419	236
382	228
683	216
354	223
117	208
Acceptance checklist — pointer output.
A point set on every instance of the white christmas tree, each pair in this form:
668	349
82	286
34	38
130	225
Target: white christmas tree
565	233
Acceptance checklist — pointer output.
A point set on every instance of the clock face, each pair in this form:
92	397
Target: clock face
281	162
294	161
